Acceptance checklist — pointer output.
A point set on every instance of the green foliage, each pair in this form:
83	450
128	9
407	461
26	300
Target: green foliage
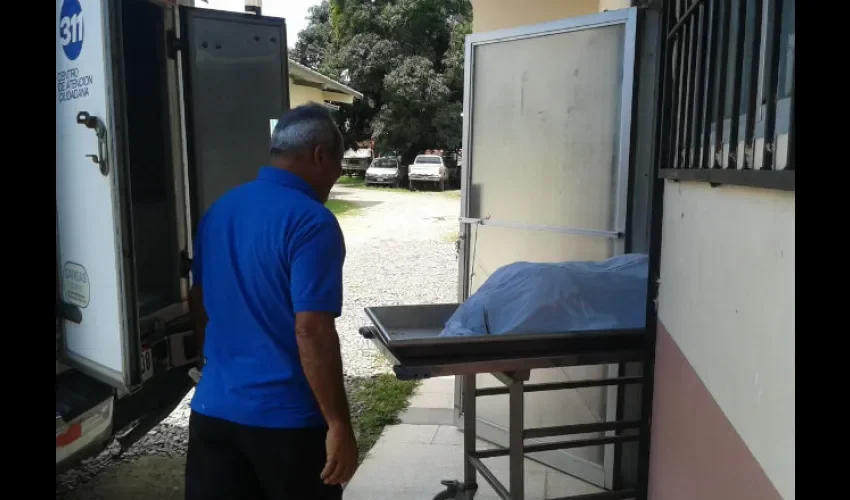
315	40
405	56
375	403
341	207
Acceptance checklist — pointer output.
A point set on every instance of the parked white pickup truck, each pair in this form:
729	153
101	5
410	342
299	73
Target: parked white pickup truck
428	169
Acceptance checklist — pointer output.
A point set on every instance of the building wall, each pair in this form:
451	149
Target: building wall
489	15
725	346
299	95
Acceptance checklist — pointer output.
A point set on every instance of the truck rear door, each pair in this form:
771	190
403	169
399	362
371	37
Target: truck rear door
96	339
236	84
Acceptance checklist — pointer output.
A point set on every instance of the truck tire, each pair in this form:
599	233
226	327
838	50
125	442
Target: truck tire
442	186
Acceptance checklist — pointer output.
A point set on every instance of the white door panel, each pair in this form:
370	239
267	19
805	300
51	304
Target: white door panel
85	197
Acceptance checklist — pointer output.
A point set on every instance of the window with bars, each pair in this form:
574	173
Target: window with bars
727	113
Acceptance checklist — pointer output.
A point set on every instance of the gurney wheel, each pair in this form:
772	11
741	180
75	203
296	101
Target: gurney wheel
450	495
455	491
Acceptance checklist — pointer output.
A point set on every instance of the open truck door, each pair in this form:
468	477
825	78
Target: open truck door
236	83
160	110
93	301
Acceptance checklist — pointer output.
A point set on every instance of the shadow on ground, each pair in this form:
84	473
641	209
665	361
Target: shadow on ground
357	204
153	468
144	478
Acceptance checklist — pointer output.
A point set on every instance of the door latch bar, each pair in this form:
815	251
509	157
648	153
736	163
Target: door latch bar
96	124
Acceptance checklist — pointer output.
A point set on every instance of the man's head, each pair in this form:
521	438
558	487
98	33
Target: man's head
307	142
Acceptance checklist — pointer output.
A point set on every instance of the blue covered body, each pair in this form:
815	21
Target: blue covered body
526	297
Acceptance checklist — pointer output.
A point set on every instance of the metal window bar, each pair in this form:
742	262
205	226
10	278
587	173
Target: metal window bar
711	81
737	86
722	54
702	50
752	95
690	83
724	21
680	68
792	165
773	41
668	68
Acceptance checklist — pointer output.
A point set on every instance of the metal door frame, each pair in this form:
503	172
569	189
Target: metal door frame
629	19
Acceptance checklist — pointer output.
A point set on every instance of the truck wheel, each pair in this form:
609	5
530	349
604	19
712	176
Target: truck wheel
442	186
411	186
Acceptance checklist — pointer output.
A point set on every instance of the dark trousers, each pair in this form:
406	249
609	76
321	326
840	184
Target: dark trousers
228	461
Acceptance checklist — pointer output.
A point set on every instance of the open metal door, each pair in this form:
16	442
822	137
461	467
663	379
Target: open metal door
236	83
88	218
547	118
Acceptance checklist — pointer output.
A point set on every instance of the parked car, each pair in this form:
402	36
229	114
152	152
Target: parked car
387	171
432	169
356	161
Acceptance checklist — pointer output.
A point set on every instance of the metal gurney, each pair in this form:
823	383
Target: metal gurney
408	337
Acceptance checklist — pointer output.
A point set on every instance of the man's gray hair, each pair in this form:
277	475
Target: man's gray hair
304	128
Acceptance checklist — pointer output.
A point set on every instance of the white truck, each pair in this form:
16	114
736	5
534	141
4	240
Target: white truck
355	162
433	169
160	108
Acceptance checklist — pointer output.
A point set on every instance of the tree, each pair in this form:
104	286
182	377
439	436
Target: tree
315	40
405	56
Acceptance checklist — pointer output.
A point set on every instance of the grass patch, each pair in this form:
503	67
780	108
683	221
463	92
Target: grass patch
358	182
341	207
375	403
387	188
451	237
350	181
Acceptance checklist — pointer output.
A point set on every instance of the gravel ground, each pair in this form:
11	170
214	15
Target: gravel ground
399	251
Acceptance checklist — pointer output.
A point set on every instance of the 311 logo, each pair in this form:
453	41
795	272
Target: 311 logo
71	28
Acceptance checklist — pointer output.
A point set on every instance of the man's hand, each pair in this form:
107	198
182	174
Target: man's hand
318	348
342	455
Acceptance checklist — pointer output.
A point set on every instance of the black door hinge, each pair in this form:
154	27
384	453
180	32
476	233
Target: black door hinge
185	264
173	44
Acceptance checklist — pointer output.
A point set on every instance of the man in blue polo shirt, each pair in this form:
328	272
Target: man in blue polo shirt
270	417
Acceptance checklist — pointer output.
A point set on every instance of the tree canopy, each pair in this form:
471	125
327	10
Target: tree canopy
405	56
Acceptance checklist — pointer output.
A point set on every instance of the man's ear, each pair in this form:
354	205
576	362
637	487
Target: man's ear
318	154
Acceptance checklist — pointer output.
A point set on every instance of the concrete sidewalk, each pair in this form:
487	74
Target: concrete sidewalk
410	459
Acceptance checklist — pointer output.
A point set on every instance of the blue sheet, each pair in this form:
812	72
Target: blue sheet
526	297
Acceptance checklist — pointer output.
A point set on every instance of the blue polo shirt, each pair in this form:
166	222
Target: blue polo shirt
264	251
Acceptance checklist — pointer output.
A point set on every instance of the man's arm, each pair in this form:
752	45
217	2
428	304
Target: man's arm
197	312
198	315
316	260
318	348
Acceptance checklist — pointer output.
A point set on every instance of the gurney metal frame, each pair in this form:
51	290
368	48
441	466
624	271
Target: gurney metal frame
417	353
